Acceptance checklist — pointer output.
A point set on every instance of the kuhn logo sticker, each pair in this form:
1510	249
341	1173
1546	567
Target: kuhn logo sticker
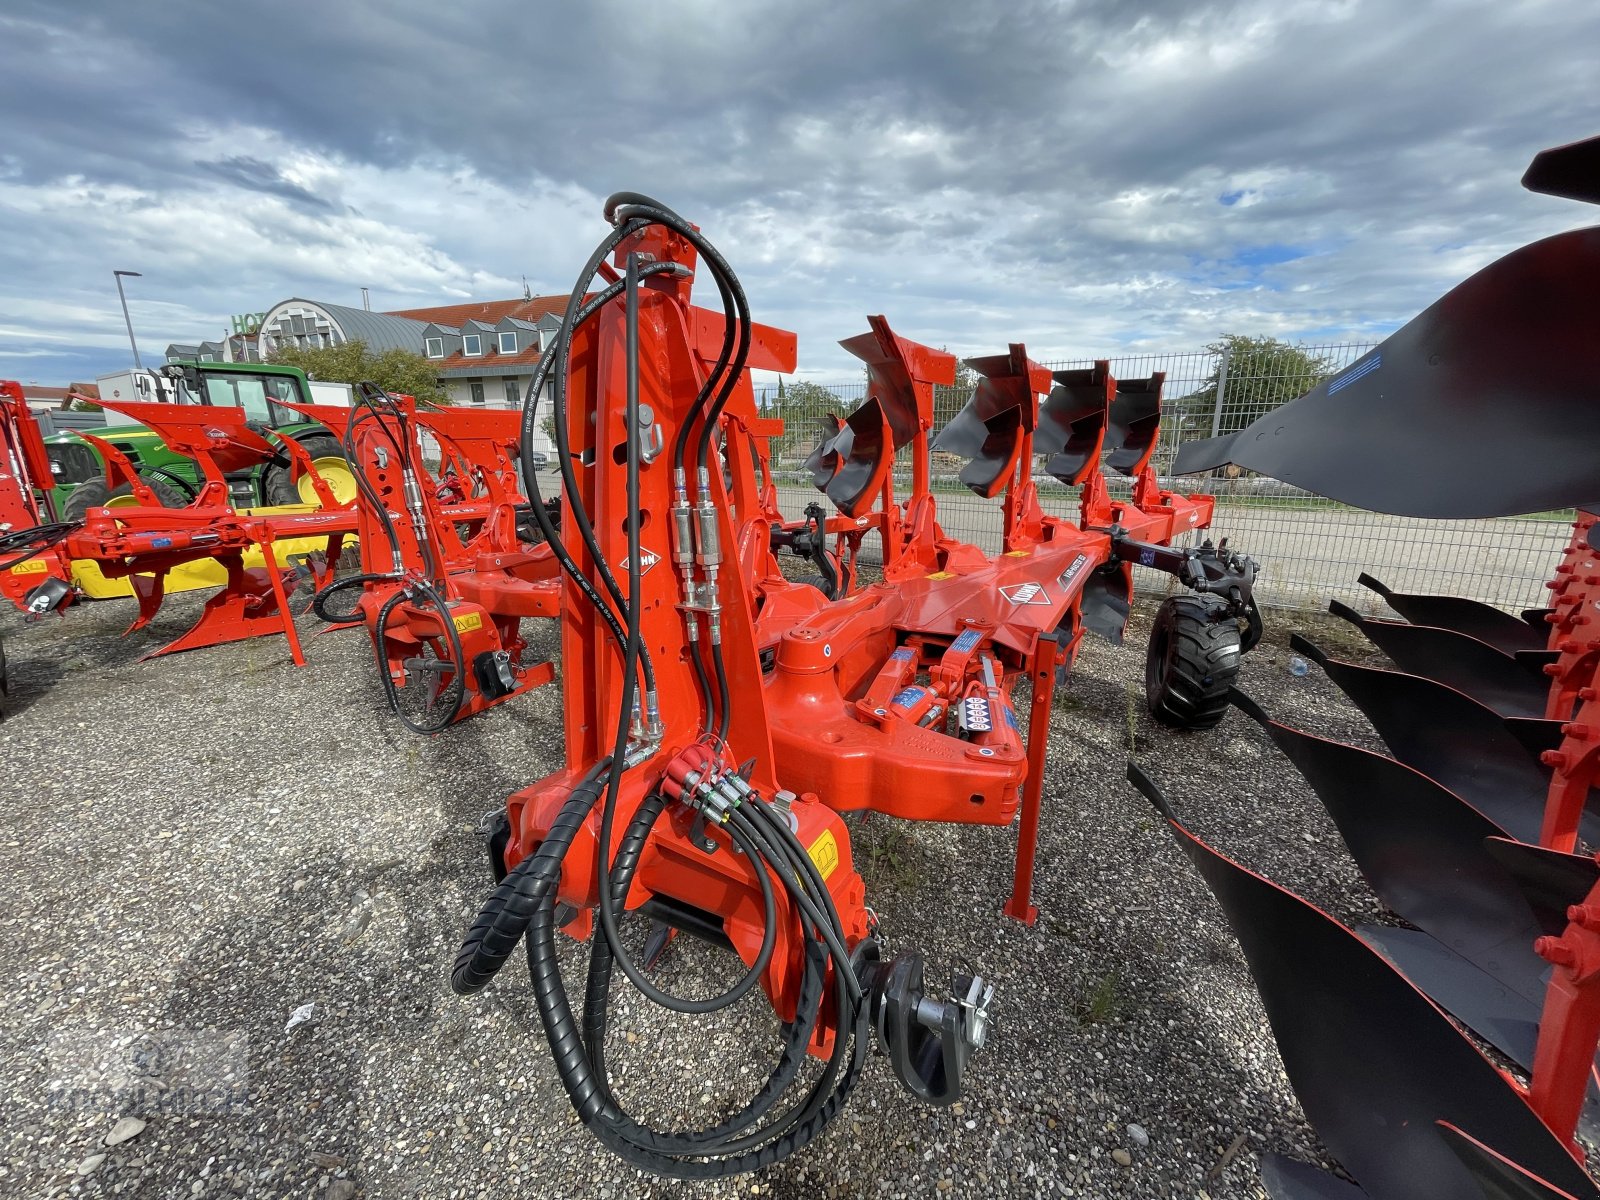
647	559
1071	573
1026	593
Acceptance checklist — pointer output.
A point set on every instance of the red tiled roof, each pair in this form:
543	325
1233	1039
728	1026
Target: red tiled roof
491	312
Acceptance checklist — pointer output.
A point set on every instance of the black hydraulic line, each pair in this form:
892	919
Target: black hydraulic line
408	593
47	536
320	601
525	901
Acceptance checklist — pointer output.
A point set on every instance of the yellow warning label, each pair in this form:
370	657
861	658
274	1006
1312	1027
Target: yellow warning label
1019	553
825	853
35	567
941	575
467	622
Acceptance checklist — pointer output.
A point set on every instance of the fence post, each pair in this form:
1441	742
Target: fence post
1222	391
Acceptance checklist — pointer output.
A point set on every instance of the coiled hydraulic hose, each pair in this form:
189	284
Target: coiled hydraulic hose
523	905
372	403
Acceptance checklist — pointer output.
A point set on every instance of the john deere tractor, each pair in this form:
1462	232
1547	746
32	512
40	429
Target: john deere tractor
258	388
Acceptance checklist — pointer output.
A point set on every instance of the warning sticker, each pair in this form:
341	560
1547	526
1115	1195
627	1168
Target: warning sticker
966	641
825	853
467	622
34	567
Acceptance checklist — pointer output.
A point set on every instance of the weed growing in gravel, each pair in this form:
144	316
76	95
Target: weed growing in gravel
1104	1002
893	857
1068	701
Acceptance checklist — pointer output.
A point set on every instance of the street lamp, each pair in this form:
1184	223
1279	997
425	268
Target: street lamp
127	320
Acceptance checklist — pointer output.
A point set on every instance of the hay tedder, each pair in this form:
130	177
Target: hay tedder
720	718
1451	1054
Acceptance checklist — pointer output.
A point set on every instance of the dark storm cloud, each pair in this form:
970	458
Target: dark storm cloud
1077	171
246	172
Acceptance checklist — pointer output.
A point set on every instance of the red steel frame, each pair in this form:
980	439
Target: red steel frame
490	580
839	717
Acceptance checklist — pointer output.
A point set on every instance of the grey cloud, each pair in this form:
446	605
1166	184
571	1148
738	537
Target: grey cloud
246	172
924	150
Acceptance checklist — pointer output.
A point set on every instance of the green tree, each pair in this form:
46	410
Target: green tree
802	406
352	362
1262	373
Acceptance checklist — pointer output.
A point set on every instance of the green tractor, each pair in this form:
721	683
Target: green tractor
258	388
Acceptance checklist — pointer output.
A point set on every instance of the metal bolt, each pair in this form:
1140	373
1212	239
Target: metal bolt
1586	915
1553	758
1554	950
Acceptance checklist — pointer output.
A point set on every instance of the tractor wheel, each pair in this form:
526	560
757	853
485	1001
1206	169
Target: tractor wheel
1192	661
96	493
328	457
816	581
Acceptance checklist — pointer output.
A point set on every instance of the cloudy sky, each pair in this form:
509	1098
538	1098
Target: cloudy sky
1085	176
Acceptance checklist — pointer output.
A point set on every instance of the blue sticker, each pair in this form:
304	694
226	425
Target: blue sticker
1011	717
1359	371
966	641
907	697
1147	557
160	543
901	655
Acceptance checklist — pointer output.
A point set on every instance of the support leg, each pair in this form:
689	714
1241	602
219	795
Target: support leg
1043	670
289	631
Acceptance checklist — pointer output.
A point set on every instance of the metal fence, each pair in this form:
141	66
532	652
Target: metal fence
1311	549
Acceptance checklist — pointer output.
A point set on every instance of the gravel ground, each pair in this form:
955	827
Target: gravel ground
202	844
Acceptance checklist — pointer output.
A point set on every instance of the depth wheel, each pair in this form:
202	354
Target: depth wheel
1191	662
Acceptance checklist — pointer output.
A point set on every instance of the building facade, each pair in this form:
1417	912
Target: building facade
485	351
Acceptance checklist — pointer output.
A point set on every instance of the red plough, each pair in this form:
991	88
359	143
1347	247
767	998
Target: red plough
446	577
144	542
1470	832
719	718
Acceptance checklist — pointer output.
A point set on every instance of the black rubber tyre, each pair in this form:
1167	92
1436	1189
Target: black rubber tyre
94	493
1191	662
816	581
277	486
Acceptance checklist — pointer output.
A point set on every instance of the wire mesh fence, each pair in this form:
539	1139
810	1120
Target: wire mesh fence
1311	549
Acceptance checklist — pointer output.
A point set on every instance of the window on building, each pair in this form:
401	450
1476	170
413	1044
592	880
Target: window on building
472	345
477	393
434	347
508	341
513	392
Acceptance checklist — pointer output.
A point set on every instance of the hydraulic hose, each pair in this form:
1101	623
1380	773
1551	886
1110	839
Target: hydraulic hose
408	593
524	905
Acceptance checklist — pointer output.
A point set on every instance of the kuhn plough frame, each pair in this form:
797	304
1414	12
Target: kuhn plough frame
480	525
143	542
447	568
1469	830
719	718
